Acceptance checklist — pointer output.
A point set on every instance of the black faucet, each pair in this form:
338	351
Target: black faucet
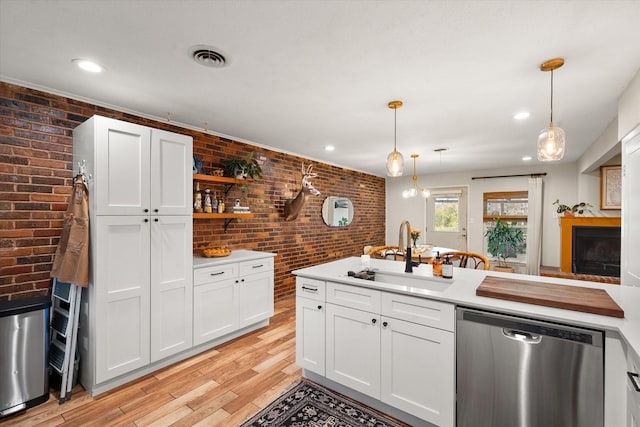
408	266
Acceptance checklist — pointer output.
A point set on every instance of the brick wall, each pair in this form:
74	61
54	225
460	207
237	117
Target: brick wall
35	182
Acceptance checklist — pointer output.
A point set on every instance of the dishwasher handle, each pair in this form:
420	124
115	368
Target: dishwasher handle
521	336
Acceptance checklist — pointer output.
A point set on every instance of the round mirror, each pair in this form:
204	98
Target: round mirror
337	211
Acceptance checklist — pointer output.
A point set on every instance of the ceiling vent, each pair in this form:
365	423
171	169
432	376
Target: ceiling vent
208	56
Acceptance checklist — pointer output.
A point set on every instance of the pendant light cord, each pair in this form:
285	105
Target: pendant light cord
551	96
395	121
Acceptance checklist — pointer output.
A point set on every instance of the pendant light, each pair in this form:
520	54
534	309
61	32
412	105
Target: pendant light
551	139
395	161
415	190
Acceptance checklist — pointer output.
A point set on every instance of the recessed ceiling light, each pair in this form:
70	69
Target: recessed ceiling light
329	147
526	158
522	115
87	65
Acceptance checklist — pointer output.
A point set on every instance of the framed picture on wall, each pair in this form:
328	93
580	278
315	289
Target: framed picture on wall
610	187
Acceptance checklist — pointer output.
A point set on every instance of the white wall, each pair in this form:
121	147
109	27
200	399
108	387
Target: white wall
559	183
629	107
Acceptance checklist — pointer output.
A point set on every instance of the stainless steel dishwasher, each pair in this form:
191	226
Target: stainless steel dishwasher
517	372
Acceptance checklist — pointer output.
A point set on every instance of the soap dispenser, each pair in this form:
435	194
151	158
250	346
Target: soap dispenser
437	265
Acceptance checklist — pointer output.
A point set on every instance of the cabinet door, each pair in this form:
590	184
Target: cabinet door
122	168
418	370
215	310
353	349
310	339
122	295
171	173
171	285
630	269
255	295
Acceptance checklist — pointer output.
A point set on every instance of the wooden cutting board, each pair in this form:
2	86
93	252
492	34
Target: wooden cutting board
588	300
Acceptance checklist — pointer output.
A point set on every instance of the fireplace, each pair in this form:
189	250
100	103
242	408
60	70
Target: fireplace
596	250
590	245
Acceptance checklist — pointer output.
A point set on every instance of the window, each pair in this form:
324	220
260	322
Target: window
446	212
511	207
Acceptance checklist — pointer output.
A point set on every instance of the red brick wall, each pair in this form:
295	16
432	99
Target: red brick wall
35	181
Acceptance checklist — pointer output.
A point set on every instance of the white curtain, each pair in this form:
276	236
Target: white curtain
534	226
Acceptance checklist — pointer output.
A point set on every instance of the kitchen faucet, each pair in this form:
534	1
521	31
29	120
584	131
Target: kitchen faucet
408	268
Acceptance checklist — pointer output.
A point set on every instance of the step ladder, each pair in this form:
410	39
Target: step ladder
65	315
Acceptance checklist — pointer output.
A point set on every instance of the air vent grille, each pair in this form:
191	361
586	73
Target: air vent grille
208	56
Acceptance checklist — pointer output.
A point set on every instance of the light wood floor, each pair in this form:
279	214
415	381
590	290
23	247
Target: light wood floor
222	386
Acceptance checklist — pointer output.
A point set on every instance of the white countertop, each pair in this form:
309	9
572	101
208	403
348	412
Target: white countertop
235	256
461	290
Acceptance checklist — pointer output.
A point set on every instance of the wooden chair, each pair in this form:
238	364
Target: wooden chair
468	260
383	252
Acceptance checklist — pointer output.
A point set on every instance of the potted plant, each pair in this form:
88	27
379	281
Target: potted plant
247	167
578	208
504	241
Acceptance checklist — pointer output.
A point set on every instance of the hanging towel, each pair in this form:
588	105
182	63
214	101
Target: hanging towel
71	262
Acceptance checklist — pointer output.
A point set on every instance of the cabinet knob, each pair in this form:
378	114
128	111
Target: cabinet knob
146	220
146	210
156	219
237	281
155	210
242	280
319	307
374	321
385	324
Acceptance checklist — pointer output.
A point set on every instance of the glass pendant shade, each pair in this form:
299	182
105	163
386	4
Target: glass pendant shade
395	163
551	144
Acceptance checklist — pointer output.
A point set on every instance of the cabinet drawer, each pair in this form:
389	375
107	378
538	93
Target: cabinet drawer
310	288
419	310
354	296
256	266
214	274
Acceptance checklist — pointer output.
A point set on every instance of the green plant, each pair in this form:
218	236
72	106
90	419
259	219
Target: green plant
578	208
247	167
504	241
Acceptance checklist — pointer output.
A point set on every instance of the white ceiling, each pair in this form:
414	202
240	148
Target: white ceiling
304	74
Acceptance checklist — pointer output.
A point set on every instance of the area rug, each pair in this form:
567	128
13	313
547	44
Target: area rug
310	405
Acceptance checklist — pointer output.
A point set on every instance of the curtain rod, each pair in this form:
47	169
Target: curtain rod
532	175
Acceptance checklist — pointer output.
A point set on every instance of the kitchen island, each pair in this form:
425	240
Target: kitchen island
324	285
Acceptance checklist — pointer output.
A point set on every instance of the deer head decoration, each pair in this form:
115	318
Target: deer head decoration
292	207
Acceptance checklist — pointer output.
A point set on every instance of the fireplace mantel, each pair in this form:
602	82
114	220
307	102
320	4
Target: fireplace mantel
566	234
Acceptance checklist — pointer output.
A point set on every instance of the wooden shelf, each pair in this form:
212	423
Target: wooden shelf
228	183
221	215
220	179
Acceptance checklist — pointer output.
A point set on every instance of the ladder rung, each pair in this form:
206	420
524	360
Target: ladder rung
60	322
56	357
62	290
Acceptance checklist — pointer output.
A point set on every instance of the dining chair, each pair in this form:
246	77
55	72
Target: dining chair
464	259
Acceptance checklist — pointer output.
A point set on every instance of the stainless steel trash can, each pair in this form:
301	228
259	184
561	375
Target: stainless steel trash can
24	345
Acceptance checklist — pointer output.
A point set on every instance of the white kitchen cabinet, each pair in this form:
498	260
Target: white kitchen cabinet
231	295
633	389
120	296
138	170
310	324
137	309
255	291
630	244
400	350
353	349
418	370
215	310
171	285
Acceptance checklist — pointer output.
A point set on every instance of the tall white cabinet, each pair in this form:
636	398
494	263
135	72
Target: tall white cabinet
137	308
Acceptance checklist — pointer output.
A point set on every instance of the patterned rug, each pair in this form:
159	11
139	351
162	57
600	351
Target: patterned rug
307	404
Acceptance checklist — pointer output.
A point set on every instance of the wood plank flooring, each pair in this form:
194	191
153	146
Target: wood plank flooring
222	386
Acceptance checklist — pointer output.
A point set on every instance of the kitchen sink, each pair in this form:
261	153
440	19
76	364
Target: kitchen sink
404	279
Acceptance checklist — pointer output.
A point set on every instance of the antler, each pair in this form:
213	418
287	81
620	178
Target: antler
307	174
